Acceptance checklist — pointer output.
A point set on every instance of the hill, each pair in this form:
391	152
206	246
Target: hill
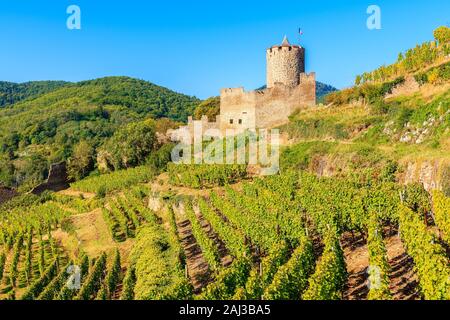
44	129
393	124
322	89
11	93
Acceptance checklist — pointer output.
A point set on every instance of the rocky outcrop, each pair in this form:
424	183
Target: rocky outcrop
433	174
57	179
410	85
103	161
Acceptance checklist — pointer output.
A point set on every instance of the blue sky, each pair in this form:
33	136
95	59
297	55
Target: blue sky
198	47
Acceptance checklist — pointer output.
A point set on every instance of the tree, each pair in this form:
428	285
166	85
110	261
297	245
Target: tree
442	35
6	171
31	171
210	108
433	76
162	157
164	124
81	162
131	145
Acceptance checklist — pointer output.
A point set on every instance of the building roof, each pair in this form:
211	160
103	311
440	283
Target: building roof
286	43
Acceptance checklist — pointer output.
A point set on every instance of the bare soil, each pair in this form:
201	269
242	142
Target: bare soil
92	236
197	267
404	282
74	193
357	261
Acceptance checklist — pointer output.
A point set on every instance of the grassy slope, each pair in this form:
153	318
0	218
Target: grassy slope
358	136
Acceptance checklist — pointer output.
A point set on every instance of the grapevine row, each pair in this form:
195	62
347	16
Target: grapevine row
207	245
441	207
431	262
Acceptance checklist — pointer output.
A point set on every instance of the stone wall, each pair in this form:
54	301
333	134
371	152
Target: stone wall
185	134
433	174
267	108
409	86
237	109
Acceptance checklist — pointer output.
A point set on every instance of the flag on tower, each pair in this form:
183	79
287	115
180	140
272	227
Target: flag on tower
300	31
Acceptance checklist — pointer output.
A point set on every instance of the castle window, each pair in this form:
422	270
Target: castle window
231	121
240	121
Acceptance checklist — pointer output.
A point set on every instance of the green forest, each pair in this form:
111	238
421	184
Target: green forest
11	93
48	122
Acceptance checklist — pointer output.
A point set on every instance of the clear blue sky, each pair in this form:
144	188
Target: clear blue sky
198	47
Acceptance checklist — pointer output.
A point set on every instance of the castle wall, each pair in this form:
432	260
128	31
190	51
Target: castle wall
237	109
185	134
265	108
307	89
289	88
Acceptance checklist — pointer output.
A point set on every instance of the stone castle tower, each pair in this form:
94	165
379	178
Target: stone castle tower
289	89
285	63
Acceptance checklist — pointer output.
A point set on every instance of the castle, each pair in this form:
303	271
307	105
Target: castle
288	89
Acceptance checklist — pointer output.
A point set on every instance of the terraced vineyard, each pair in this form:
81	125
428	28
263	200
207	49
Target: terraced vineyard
293	236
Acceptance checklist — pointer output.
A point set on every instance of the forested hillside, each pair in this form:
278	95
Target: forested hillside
11	93
322	89
45	129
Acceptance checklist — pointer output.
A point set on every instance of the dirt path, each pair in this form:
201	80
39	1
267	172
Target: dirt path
357	261
225	257
404	283
119	288
74	193
197	267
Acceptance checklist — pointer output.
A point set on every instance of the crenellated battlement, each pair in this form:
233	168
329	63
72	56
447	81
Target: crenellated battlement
232	91
277	49
307	77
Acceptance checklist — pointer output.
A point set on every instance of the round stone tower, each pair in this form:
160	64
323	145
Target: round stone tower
285	63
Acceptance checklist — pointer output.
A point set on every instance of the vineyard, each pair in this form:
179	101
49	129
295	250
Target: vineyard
288	237
116	180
